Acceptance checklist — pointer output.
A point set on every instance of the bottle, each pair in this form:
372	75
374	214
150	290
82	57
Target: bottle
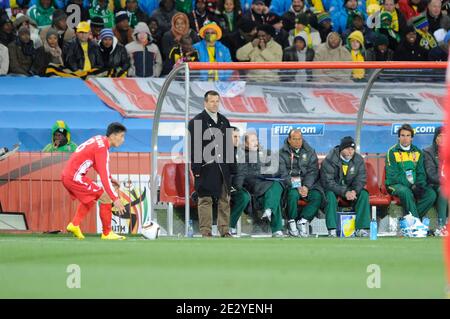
190	229
374	225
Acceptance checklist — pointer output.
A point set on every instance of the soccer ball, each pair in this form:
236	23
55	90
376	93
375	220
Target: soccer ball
150	230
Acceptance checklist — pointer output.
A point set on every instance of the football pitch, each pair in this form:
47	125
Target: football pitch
41	266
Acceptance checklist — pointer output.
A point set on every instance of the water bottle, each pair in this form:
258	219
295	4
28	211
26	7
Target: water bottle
190	229
374	225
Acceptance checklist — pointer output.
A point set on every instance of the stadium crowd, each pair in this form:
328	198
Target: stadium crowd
146	38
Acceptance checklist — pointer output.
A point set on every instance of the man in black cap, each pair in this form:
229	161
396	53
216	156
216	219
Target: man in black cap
343	173
59	23
6	30
281	36
262	49
122	31
246	33
97	24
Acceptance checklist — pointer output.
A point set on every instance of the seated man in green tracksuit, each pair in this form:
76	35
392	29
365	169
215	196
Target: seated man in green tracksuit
343	173
405	174
239	197
299	169
255	173
431	162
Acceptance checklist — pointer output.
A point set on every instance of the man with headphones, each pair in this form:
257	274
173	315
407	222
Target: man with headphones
405	174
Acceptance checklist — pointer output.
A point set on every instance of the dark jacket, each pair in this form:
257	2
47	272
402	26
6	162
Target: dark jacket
431	161
41	62
410	52
118	58
436	23
196	20
439	53
19	63
304	164
210	176
164	17
252	173
290	55
282	38
259	19
234	41
374	55
332	177
74	56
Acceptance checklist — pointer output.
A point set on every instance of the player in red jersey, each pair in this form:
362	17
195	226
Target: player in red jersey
94	153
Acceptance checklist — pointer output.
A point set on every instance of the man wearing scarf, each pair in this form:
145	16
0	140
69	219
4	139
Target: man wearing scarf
386	29
49	53
42	13
21	53
100	9
426	39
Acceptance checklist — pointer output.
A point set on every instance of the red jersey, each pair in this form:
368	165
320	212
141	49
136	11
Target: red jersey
92	153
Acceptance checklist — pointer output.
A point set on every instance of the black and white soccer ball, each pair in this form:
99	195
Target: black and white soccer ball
150	230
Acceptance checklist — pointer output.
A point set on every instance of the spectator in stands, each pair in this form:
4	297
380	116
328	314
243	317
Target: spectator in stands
280	36
164	14
61	139
240	198
83	5
21	53
412	8
59	23
343	173
355	44
7	34
258	13
299	169
246	33
431	162
212	169
211	50
42	13
434	15
148	6
342	16
114	55
97	25
440	53
358	25
440	33
23	20
182	52
199	16
135	14
155	31
50	52
4	60
144	55
398	21
386	28
405	174
82	53
122	31
299	52
332	50
410	49
99	8
180	27
306	31
262	49
324	25
380	50
297	7
253	172
426	39
229	13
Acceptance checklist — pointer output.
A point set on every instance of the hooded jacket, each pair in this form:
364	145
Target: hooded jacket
305	164
145	61
431	161
42	16
357	56
222	54
19	62
332	176
118	57
325	53
68	147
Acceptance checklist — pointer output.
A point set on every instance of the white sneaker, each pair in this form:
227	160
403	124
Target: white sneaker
292	228
233	232
278	234
332	233
362	233
267	215
303	227
441	231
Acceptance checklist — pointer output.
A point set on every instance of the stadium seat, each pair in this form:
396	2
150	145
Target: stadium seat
172	185
376	196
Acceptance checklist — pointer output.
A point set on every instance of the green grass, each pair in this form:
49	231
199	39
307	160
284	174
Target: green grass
34	266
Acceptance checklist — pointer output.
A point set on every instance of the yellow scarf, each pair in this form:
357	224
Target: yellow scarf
212	74
394	24
357	57
427	40
87	62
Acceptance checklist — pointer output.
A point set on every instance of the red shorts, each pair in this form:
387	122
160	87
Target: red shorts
86	192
